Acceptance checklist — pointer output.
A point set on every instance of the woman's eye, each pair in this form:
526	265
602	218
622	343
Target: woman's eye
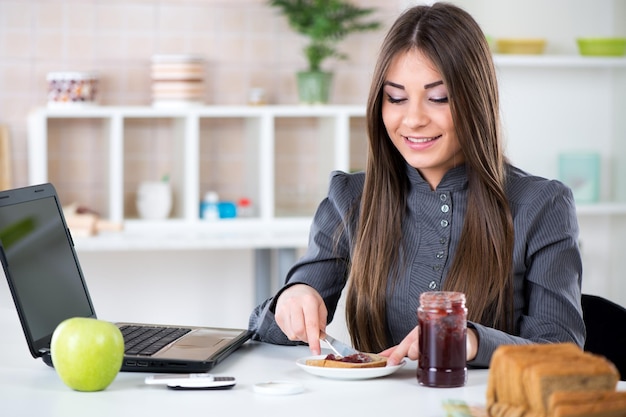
394	100
439	99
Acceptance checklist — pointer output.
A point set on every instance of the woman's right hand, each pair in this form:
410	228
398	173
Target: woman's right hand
301	314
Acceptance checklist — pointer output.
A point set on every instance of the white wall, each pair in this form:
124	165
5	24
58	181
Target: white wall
175	287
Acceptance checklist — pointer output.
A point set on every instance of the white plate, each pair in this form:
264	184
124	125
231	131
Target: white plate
347	373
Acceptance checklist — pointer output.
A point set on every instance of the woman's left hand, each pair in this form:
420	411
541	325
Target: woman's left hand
409	347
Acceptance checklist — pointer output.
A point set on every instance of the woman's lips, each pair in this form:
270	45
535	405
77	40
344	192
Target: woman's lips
420	142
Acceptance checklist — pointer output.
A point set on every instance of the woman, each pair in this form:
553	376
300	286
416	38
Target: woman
438	208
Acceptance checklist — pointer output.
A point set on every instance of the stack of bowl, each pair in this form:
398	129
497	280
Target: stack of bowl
521	46
177	80
602	46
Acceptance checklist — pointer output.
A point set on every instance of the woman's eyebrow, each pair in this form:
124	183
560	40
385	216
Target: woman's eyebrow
434	84
394	85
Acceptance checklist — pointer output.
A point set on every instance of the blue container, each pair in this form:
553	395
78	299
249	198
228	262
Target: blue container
581	172
227	209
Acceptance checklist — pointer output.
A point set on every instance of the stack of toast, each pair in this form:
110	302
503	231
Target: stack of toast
552	380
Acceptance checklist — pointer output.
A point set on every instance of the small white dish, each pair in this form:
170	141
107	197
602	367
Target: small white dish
347	373
278	388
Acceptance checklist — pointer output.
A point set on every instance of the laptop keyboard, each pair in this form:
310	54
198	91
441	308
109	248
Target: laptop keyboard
147	340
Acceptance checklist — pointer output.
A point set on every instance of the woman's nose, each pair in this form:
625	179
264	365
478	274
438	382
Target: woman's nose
415	115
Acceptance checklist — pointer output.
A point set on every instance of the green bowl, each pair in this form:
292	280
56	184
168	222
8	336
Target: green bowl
602	46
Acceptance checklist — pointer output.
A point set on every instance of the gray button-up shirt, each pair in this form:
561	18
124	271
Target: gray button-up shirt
547	262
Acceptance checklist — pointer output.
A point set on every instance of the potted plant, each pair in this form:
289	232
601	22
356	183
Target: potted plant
325	23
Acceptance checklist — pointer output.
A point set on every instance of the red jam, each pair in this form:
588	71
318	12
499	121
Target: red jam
356	358
442	318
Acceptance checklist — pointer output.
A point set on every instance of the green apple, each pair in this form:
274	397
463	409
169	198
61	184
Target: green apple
87	353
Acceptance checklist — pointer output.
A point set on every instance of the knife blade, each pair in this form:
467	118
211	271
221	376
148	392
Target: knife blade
339	347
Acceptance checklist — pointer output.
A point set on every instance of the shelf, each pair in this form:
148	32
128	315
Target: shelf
601	209
558	61
139	235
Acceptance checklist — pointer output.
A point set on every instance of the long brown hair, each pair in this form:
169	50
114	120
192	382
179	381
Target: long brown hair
482	266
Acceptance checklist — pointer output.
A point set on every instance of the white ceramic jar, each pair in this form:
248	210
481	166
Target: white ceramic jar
154	200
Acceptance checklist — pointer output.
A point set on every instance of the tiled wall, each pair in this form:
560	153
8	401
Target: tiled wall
245	43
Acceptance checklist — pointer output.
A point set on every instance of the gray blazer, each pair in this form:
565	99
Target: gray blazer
547	261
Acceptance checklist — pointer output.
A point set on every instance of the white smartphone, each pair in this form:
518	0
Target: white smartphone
192	381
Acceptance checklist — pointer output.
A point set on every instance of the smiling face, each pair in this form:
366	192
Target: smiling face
417	116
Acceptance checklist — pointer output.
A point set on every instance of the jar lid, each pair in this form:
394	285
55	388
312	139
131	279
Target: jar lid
71	75
211	197
244	202
441	299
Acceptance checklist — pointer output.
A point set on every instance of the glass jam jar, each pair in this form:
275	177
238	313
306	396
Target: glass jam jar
442	318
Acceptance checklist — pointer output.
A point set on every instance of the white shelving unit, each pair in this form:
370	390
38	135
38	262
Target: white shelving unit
266	229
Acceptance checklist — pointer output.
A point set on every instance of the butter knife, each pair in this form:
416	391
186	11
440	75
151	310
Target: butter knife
338	347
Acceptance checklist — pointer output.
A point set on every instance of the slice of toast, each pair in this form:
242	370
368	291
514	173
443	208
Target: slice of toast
377	361
587	403
589	372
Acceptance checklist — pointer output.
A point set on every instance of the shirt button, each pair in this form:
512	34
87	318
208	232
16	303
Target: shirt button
443	197
444	223
432	285
445	208
442	240
440	254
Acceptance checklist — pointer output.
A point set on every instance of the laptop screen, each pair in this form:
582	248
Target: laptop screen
41	266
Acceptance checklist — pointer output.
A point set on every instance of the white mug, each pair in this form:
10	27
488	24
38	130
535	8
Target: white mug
154	200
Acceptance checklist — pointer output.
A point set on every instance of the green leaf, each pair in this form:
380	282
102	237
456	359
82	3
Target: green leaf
325	23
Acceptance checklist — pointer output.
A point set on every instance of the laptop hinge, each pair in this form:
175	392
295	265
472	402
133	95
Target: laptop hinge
46	357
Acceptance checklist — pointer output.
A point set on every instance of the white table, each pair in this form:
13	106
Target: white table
30	388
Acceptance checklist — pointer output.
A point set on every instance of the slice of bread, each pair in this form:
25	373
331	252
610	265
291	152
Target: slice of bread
587	373
377	361
587	404
508	410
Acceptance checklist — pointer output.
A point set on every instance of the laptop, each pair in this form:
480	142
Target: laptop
48	286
